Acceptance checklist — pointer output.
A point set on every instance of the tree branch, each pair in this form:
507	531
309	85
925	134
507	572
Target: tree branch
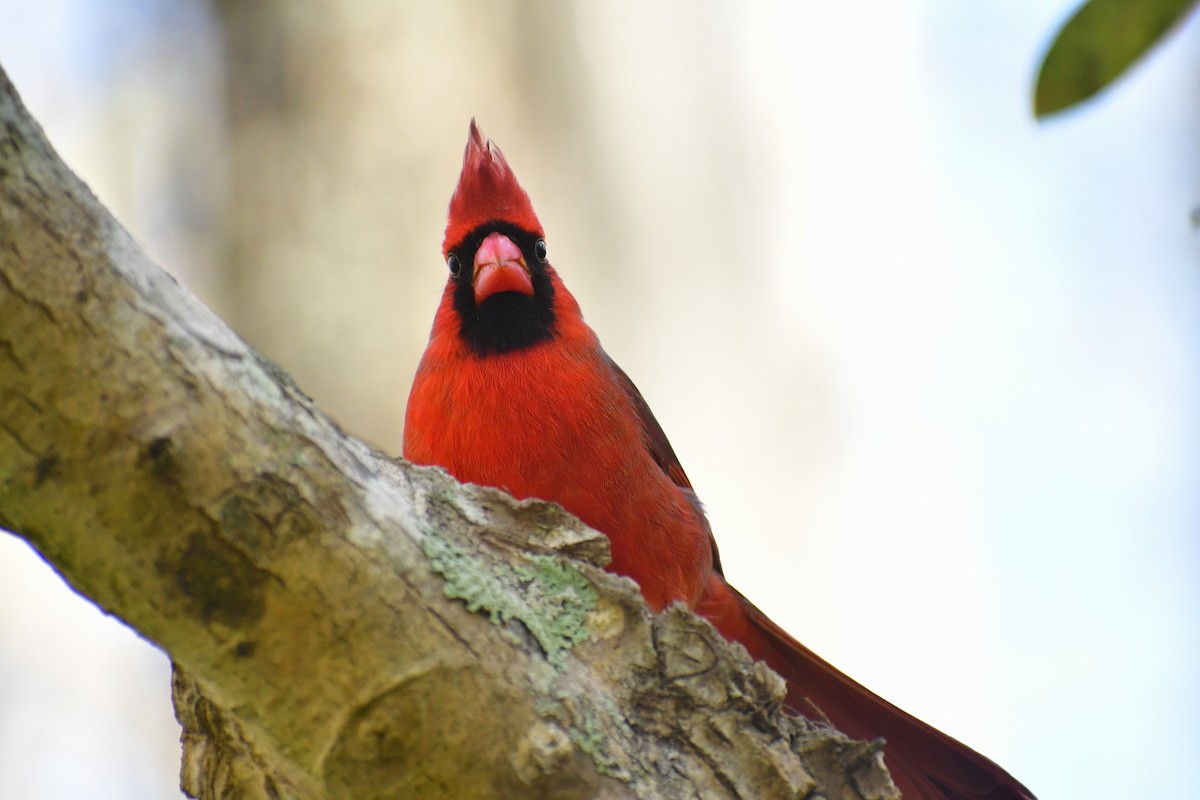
343	625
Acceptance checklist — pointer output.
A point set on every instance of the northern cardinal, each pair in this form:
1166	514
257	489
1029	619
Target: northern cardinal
514	391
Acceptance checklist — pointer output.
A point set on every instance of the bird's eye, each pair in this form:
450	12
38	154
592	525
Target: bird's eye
539	249
454	264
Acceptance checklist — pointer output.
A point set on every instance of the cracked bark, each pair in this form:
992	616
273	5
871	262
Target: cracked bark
343	625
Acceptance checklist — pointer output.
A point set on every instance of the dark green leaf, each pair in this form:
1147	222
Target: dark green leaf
1097	44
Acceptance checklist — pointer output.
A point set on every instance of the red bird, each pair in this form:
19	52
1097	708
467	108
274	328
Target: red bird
514	391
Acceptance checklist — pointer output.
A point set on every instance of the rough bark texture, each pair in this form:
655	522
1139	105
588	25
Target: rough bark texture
343	625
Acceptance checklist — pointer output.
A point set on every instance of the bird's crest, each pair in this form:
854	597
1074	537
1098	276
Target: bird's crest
487	192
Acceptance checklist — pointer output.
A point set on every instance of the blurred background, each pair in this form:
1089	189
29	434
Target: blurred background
933	367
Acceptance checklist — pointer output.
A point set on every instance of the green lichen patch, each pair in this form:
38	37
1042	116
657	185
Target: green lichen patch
591	724
547	595
592	736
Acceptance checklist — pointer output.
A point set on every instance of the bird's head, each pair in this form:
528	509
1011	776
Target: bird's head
500	280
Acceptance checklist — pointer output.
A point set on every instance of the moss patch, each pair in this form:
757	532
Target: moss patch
220	582
591	724
546	595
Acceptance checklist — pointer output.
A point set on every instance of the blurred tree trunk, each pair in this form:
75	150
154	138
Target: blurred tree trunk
308	589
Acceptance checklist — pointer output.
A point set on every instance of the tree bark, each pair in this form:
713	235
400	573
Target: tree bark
343	625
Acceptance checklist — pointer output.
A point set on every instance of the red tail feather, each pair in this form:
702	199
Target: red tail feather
925	763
